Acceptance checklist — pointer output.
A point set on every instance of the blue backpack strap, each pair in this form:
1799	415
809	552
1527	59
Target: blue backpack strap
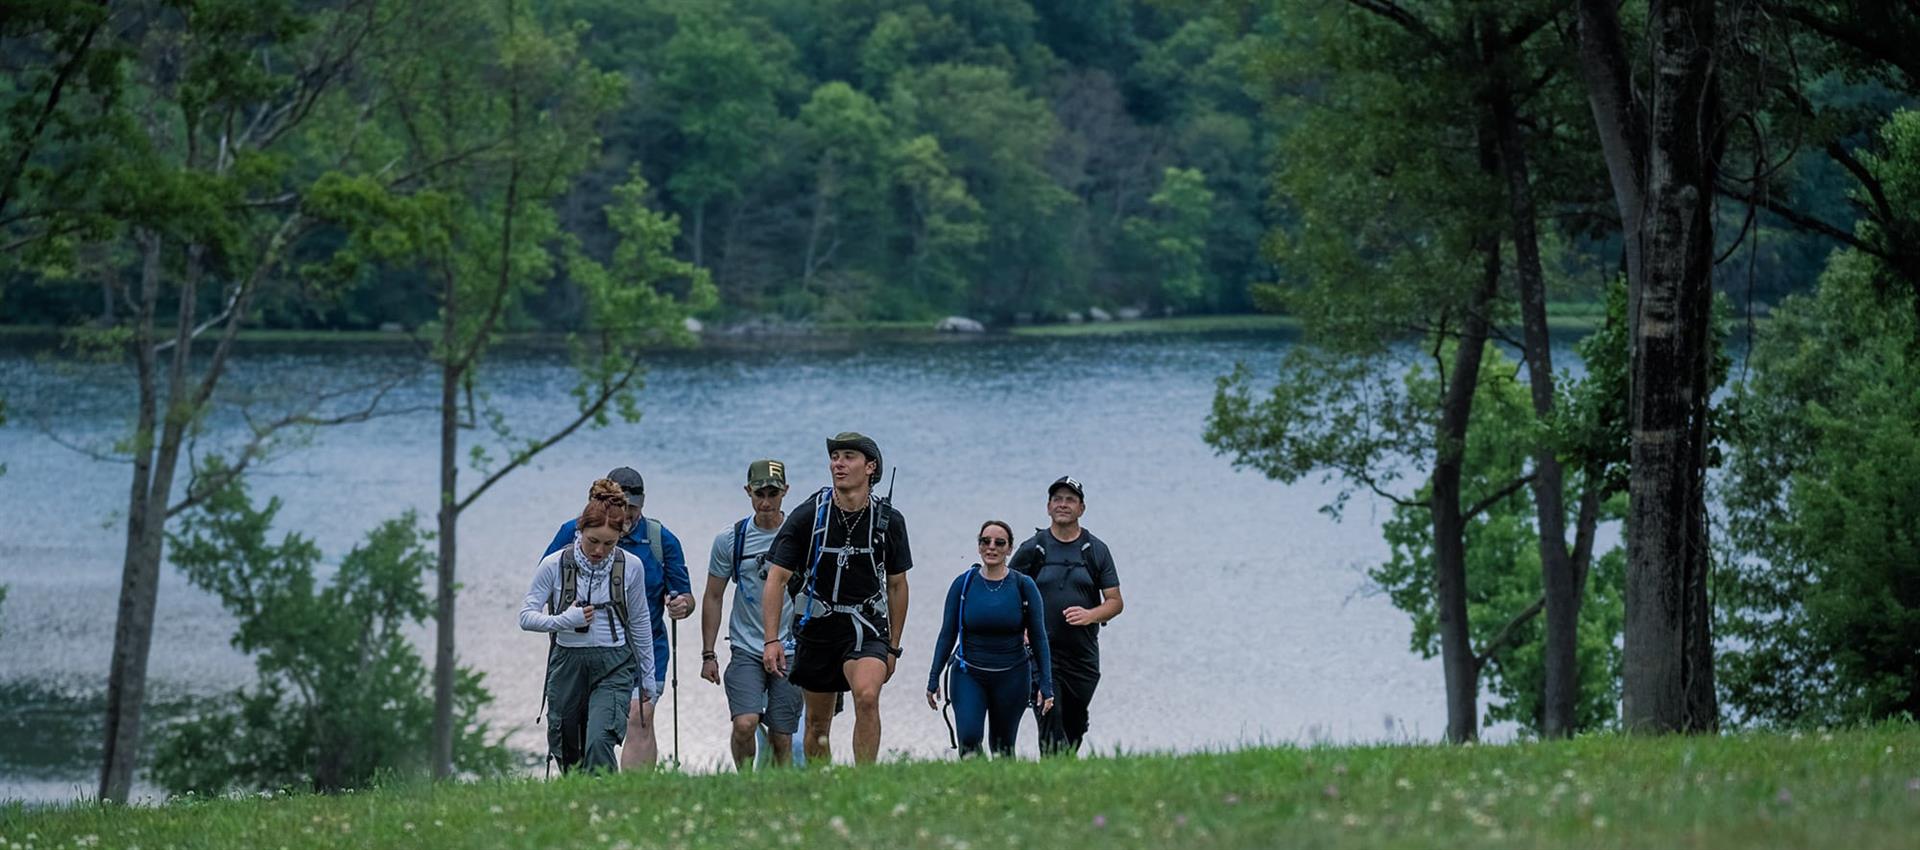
818	542
960	620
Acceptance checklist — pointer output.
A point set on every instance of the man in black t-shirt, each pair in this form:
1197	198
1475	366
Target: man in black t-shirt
1081	591
849	553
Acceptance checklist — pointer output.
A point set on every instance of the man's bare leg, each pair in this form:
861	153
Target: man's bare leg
866	675
818	743
640	748
744	726
780	747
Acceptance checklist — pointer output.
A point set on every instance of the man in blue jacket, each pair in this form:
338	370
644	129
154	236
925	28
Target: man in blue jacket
669	593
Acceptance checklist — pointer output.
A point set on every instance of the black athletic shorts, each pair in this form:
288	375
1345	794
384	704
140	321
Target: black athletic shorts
823	648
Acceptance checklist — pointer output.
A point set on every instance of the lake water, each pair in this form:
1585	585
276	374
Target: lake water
1247	614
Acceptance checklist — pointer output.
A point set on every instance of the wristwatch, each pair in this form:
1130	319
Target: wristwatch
895	651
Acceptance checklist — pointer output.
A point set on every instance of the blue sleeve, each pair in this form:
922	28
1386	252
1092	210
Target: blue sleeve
561	539
949	628
1037	633
676	565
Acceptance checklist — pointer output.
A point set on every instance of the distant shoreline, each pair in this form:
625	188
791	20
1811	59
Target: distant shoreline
1573	320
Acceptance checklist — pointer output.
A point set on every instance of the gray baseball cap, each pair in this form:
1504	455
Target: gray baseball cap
629	480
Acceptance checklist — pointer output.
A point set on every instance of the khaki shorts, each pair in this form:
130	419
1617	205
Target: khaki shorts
752	690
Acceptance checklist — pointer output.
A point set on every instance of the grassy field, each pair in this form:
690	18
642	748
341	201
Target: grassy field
1855	789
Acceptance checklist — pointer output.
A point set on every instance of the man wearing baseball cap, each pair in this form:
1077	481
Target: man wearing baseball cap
754	696
669	593
850	553
1081	592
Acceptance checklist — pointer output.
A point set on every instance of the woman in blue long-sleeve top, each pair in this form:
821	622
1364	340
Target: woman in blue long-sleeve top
994	624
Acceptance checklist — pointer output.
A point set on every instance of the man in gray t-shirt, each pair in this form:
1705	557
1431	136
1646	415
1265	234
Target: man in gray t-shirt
739	558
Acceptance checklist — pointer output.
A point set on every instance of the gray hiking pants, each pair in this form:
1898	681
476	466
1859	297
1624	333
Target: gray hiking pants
587	692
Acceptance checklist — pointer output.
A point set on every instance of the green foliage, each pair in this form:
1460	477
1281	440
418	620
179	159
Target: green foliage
1503	564
1895	165
1821	603
641	297
945	224
1346	417
1174	239
1380	177
343	699
1368	422
996	138
1589	429
58	131
718	84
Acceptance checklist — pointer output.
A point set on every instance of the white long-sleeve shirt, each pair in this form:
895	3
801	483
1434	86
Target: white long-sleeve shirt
595	588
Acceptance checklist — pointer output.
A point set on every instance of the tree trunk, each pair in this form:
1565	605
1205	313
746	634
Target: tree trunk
139	575
1462	670
1620	119
155	464
1663	160
449	519
1558	586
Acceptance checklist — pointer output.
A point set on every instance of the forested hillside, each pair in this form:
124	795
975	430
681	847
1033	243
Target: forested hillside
906	159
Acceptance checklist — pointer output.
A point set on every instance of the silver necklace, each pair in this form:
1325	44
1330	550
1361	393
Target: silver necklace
849	520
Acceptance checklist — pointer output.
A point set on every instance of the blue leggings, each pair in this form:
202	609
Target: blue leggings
980	696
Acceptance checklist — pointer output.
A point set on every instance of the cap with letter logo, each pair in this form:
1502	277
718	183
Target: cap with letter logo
1069	482
766	473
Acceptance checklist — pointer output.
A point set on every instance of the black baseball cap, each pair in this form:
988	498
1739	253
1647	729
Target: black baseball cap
629	480
1069	482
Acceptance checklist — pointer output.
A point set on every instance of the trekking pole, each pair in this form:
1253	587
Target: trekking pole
675	628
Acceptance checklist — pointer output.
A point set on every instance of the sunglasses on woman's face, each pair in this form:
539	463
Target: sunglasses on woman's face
993	541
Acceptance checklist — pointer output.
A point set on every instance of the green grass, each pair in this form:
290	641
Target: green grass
1854	789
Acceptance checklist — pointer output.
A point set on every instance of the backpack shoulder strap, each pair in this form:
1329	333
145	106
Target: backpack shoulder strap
960	618
656	541
569	580
739	547
1039	546
822	501
617	591
882	518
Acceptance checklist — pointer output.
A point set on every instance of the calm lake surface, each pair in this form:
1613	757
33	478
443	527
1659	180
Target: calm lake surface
1248	617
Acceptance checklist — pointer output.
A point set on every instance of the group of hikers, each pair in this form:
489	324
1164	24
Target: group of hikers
819	604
